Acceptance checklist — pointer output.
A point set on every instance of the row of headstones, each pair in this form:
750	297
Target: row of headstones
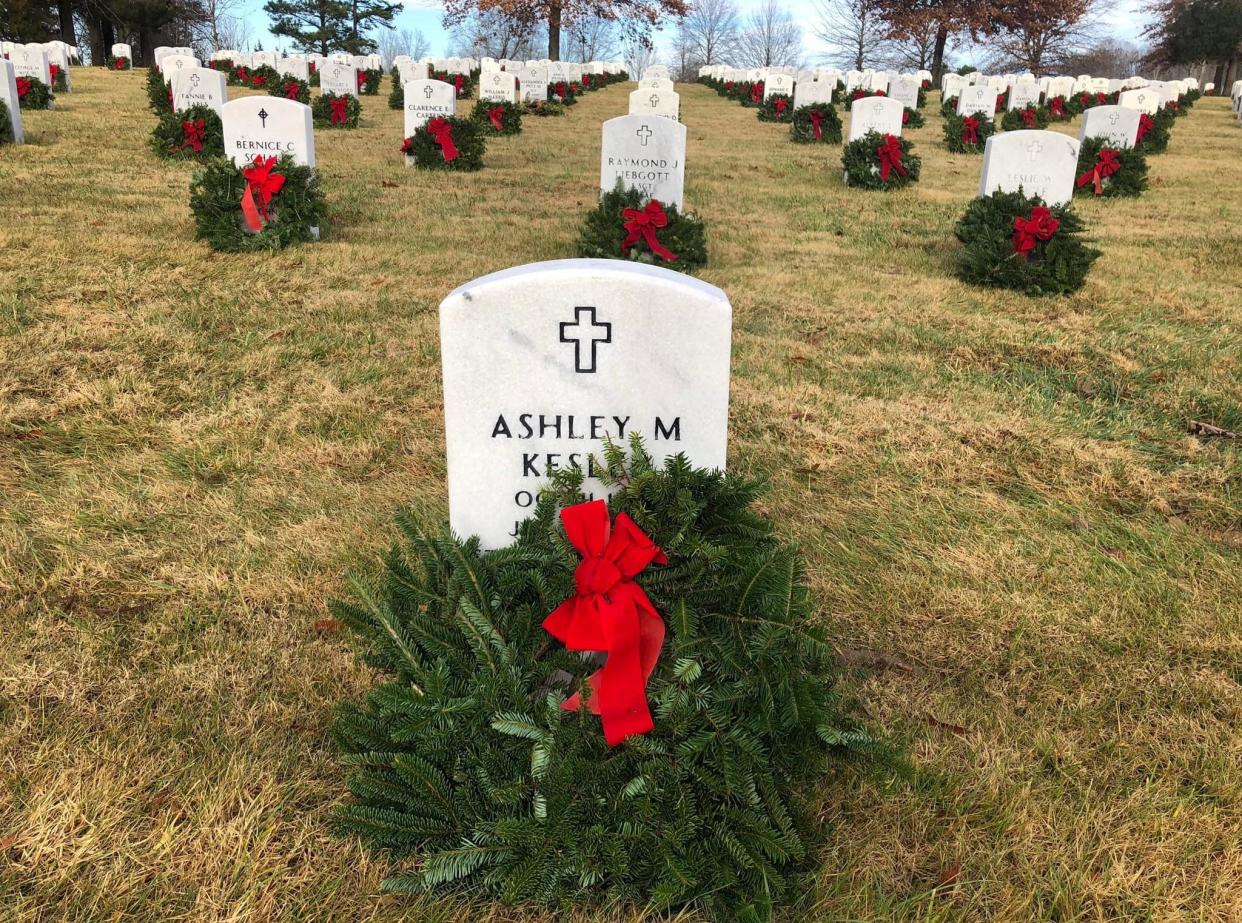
1235	98
851	80
36	60
1026	91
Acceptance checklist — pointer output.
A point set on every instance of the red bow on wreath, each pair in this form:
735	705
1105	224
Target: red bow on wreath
54	70
970	130
192	135
261	185
859	94
817	124
560	89
1085	99
339	110
1101	98
458	83
1000	102
609	612
258	80
494	115
242	75
586	80
905	116
890	157
1106	165
361	78
1028	118
1028	231
23	87
119	64
780	105
407	146
442	134
644	224
1057	107
1146	124
291	90
756	92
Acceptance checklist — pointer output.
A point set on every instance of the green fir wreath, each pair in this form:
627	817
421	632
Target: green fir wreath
288	87
776	108
754	97
462	765
33	93
119	63
859	93
1056	266
1059	109
262	77
1155	131
159	96
1028	117
465	135
396	95
959	140
861	161
60	79
314	74
562	91
802	127
216	194
322	110
371	79
912	118
224	66
508	115
544	108
195	133
7	135
603	234
462	83
1124	172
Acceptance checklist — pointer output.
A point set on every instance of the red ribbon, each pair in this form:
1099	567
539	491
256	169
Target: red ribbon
1000	102
407	146
119	64
1146	124
560	89
458	83
261	185
780	105
361	78
970	130
54	70
905	116
586	80
23	87
756	92
609	612
890	157
817	124
1028	117
313	67
339	106
1106	165
258	80
494	115
442	134
291	90
1028	231
1057	107
242	75
644	224
192	135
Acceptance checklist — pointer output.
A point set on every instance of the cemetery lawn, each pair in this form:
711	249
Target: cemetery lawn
1025	549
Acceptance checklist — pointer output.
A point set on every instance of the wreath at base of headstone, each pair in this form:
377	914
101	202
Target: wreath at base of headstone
859	93
396	95
776	108
370	80
498	118
120	63
465	765
1154	131
195	133
267	205
1028	117
33	93
332	110
6	126
815	124
912	118
159	96
293	88
877	161
224	66
545	109
1104	170
967	134
754	96
562	91
463	83
263	77
447	143
60	79
626	225
314	74
1014	241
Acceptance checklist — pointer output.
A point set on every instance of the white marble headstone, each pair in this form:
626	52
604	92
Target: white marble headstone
8	99
1143	100
338	78
976	99
1042	163
655	83
31	62
122	50
778	84
298	68
496	86
875	113
545	363
812	93
171	63
647	153
268	126
199	86
533	82
1022	94
1117	124
906	91
648	101
425	100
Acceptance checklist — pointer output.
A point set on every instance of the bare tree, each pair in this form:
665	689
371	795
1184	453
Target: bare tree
771	38
591	38
708	34
912	46
394	42
496	34
219	21
233	32
853	29
639	55
1041	36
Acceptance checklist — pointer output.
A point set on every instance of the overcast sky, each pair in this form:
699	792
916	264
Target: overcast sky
1124	21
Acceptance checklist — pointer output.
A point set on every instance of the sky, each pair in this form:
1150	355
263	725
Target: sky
1124	21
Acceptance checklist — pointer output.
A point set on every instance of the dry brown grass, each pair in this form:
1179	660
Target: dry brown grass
195	448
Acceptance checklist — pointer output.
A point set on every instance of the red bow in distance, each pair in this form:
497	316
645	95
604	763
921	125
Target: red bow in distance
442	134
644	224
494	116
192	135
1028	117
1028	231
970	130
261	185
1106	164
1057	107
780	105
817	124
291	90
890	157
756	92
339	107
361	77
54	70
458	83
609	612
23	87
1146	124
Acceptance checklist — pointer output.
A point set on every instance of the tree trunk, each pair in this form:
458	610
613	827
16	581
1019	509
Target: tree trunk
942	39
67	34
1230	65
554	30
1219	78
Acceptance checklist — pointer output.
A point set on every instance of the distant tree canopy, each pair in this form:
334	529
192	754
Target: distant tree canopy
142	23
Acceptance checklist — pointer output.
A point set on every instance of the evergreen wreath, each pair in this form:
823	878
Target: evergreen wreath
396	95
463	84
296	205
562	91
1110	170
239	76
754	96
1059	109
224	65
119	63
314	73
447	143
859	93
912	118
369	80
333	110
498	118
262	77
816	124
1155	130
1048	257
195	133
288	87
33	93
159	96
465	761
544	109
1028	116
7	135
968	137
776	108
877	161
60	79
624	224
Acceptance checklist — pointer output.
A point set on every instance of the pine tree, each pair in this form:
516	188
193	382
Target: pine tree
465	762
313	25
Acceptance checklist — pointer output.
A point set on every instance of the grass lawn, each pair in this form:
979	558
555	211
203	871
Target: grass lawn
1008	522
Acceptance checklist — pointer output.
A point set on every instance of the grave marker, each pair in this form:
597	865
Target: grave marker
647	153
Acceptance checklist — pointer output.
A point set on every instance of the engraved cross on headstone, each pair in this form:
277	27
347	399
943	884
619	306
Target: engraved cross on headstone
586	334
263	117
644	134
427	91
194	79
1035	148
654	100
1114	119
